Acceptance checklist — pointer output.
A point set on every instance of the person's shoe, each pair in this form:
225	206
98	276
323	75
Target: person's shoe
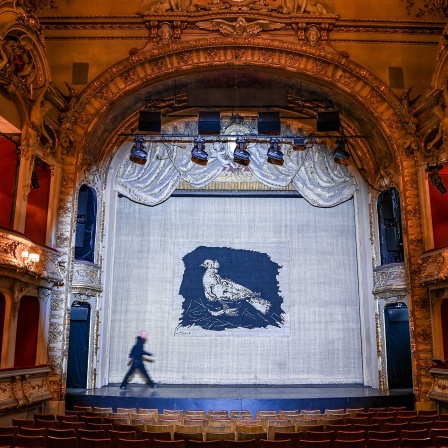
154	385
123	387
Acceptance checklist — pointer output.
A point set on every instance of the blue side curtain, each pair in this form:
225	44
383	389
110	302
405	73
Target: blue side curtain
398	347
87	250
78	348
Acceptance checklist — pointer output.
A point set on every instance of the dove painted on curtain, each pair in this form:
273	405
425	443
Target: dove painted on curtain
224	289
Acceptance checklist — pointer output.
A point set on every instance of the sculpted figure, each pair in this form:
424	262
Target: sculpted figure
21	64
161	6
240	27
310	6
441	111
35	128
4	58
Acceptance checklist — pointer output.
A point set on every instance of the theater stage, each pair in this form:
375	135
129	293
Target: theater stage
252	397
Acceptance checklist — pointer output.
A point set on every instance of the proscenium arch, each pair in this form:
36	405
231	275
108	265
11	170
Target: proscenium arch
109	105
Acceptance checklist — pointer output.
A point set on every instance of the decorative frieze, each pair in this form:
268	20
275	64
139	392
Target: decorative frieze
390	281
86	276
20	388
434	272
22	256
439	391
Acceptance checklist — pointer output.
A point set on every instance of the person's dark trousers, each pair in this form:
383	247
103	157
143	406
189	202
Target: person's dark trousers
137	365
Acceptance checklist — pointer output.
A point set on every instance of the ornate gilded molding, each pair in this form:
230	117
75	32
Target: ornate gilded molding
22	388
439	390
389	286
390	281
325	67
43	272
430	7
240	27
434	272
86	277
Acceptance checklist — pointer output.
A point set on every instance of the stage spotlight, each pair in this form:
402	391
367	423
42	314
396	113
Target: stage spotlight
198	154
341	156
275	156
240	155
435	178
301	141
138	154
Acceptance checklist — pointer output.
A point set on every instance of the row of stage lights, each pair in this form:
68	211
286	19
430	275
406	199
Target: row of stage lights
269	131
269	126
300	142
241	156
274	155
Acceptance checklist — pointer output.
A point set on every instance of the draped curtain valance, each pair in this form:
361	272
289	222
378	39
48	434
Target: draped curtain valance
313	173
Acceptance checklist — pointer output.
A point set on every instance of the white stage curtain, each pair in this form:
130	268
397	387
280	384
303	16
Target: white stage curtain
313	172
317	343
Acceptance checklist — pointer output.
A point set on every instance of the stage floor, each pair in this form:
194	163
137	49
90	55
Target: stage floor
252	397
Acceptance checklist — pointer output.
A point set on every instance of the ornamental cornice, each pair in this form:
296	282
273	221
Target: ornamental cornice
12	248
434	272
24	387
320	63
86	277
390	281
439	391
137	22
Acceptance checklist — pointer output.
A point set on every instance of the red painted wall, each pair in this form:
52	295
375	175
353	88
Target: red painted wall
2	318
8	165
37	206
27	329
439	212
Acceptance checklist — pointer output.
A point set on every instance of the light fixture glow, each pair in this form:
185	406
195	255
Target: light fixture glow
30	257
34	258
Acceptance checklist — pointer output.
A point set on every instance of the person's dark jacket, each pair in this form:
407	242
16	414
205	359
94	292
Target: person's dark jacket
137	351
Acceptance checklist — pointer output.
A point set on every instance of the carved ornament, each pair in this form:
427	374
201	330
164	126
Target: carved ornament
45	271
20	388
240	27
430	7
326	67
439	391
390	281
434	269
86	276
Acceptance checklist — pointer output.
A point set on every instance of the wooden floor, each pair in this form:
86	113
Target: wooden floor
239	397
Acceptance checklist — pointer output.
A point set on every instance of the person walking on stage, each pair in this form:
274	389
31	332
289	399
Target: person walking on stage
136	358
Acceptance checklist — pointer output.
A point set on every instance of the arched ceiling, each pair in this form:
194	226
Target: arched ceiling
110	104
170	94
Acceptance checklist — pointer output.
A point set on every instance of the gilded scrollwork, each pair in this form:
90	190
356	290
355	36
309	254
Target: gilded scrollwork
430	7
86	275
240	27
18	61
434	268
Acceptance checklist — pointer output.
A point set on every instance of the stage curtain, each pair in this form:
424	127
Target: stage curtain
314	249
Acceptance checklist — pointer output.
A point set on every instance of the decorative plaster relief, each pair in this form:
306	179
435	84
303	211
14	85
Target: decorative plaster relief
24	387
439	391
12	247
390	281
86	276
434	268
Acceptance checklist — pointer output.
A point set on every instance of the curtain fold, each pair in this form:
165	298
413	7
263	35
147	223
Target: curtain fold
313	173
